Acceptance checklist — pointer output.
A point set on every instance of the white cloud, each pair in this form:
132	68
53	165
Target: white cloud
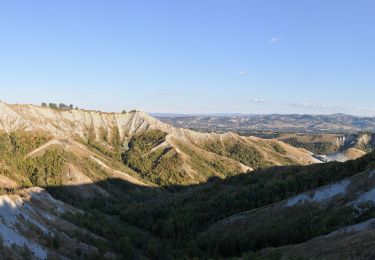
276	39
259	101
303	107
333	109
242	73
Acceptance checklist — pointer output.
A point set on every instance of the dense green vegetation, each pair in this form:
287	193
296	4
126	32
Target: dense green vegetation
249	154
207	167
275	229
39	171
46	170
245	154
139	147
315	147
13	150
161	166
22	142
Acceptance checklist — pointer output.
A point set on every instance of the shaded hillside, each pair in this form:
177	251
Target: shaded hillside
297	219
351	242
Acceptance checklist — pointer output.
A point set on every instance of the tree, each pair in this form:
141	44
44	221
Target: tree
91	138
71	106
63	106
52	105
44	104
126	248
116	139
116	142
103	133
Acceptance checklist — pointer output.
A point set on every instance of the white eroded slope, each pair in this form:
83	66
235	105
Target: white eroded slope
31	218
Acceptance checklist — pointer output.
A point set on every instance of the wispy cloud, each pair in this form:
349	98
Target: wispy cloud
310	105
333	109
259	101
276	39
242	73
318	107
267	106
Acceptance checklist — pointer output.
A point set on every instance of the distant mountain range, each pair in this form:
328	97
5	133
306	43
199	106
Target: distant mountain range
245	124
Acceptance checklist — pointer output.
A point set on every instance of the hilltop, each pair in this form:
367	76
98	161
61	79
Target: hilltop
149	147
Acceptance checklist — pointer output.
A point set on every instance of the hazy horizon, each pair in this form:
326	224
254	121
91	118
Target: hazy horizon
244	114
191	57
172	114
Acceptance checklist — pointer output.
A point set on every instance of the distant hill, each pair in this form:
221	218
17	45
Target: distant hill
338	147
337	137
245	124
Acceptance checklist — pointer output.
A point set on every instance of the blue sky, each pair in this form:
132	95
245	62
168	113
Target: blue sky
191	56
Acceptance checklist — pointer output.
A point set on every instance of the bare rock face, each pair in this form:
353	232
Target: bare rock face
31	223
72	123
